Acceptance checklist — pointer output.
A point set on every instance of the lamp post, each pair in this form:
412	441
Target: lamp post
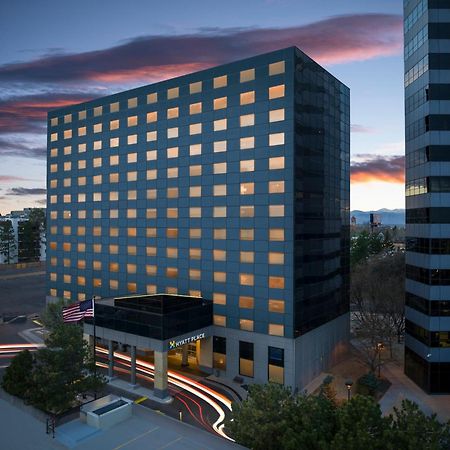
380	347
349	384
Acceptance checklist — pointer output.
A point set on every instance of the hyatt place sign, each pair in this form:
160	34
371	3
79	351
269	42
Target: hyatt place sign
188	340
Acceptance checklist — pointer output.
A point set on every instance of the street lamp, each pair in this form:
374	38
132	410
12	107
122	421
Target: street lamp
380	347
349	384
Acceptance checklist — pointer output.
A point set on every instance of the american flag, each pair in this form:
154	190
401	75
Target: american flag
78	311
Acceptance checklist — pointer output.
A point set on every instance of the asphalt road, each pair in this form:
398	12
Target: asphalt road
22	291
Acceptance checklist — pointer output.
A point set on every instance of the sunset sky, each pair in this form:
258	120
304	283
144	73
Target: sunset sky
55	53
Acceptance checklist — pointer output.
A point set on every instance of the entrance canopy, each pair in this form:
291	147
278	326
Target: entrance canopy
158	316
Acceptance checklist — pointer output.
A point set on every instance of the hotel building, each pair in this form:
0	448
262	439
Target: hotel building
230	184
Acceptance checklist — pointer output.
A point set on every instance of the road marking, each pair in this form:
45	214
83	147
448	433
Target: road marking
140	400
19	275
136	438
170	443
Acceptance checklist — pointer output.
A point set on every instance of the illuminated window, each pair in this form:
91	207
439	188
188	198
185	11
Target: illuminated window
97	179
220	211
81	181
276	91
53	183
172	172
150	232
150	251
276	306
172	252
98	111
219	298
152	98
81	247
276	68
68	150
219	168
53	168
113	213
132	288
132	139
276	139
172	192
247	120
172	213
97	265
247	188
247	211
172	132
151	288
132	121
220	233
151	194
276	258
113	267
54	137
172	113
152	136
152	116
98	128
220	124
132	176
172	152
246	302
195	212
67	166
195	274
113	284
151	213
220	103
53	152
219	320
82	164
195	128
276	115
113	196
151	270
247	98
195	253
195	149
247	257
276	162
276	282
195	108
276	329
132	157
131	232
276	210
195	88
131	268
151	155
171	272
246	234
171	232
97	231
219	255
246	279
81	115
67	134
195	171
220	277
81	264
220	189
132	102
67	279
220	146
82	131
114	142
113	232
54	121
247	75
276	234
195	191
114	107
220	81
152	174
67	198
247	165
195	233
131	213
246	324
276	187
173	93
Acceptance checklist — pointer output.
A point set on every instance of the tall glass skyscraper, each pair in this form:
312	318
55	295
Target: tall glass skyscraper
427	109
232	184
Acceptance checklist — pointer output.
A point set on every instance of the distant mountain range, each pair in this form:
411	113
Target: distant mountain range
388	216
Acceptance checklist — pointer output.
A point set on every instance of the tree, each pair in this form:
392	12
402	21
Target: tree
7	240
261	420
18	379
412	429
360	425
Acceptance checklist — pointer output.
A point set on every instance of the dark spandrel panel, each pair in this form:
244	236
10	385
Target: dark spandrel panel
246	350
220	345
428	215
276	356
428	307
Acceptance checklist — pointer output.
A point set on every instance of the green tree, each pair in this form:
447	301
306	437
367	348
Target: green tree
261	420
412	429
7	241
18	379
360	425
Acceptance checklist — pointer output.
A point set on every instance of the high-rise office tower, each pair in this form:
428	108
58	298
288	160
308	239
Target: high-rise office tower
232	184
427	109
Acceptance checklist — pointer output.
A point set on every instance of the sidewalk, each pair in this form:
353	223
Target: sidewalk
403	388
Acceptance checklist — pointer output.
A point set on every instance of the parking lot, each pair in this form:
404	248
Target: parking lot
22	291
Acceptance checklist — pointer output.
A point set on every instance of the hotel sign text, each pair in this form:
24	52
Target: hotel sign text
188	340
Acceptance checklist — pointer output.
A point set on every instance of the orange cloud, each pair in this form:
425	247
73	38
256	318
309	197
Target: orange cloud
390	169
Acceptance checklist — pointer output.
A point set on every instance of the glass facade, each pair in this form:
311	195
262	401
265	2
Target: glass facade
231	183
427	113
